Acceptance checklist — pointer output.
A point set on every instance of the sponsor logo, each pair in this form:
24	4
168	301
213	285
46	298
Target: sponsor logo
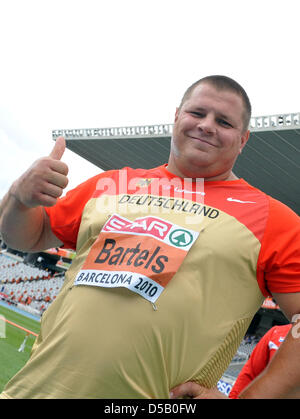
224	387
241	202
181	238
152	226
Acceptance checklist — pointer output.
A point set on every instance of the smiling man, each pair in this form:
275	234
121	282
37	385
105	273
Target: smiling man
161	291
210	130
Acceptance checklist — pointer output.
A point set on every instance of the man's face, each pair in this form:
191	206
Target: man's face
208	134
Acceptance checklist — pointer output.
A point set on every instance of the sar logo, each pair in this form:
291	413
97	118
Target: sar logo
181	238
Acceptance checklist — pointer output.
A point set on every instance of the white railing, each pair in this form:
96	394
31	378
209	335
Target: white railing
162	130
259	123
275	122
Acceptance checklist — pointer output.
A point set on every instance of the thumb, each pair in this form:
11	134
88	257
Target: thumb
58	149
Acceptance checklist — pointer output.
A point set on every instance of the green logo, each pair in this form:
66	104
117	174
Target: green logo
181	238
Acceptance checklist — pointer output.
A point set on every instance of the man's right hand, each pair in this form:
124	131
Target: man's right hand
44	181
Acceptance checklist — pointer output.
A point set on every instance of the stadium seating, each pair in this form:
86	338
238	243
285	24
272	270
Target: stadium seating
28	285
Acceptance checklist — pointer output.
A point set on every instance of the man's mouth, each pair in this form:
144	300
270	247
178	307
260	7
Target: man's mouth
202	140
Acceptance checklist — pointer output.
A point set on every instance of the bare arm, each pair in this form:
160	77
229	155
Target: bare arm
26	229
24	224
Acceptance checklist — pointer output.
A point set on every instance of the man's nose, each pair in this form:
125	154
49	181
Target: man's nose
207	124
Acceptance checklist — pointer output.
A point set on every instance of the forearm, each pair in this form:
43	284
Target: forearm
21	227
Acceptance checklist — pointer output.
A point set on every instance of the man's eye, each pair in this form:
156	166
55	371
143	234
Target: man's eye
198	114
224	123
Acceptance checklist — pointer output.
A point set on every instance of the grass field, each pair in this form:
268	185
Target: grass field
11	360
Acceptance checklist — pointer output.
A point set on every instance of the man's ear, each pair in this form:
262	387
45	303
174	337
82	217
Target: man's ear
244	139
176	114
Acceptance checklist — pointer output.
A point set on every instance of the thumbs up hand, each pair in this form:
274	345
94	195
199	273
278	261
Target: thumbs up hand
45	180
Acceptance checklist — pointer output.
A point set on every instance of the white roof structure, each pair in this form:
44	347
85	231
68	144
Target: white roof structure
270	160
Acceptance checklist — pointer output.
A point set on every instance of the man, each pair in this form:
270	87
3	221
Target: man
172	263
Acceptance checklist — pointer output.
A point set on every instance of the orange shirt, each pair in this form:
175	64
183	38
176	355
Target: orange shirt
275	225
167	277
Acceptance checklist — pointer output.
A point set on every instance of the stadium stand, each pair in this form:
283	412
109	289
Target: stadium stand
27	286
